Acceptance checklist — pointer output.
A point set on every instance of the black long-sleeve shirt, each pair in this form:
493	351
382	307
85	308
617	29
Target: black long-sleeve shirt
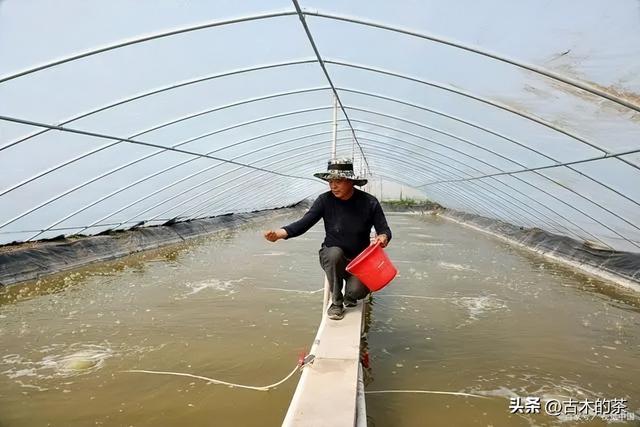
347	223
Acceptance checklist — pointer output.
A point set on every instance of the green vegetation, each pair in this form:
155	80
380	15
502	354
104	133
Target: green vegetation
407	202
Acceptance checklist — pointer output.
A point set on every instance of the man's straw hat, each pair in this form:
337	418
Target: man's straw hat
341	168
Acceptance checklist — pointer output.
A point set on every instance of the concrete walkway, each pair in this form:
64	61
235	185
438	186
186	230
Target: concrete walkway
328	388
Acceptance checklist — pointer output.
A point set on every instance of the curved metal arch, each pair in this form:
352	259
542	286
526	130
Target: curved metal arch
590	217
164	147
526	213
270	200
471	96
446	156
469	205
148	156
233	200
174	183
559	184
192	211
421	147
470	143
607	227
595	237
537	168
105	136
143	40
239	200
328	77
437	130
591	159
306	153
268	196
204	208
230	207
526	218
471	167
443	114
461	199
439	165
474	200
155	92
192	214
491	186
202	136
606	154
480	210
238	125
467	198
161	151
185	191
417	168
556	217
537	70
446	200
564	218
575	83
140	159
119	224
139	181
275	201
300	13
174	121
252	194
461	152
527	206
539	174
438	197
494	192
469	201
198	155
435	163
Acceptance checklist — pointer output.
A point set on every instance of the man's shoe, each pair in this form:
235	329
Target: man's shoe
349	302
335	312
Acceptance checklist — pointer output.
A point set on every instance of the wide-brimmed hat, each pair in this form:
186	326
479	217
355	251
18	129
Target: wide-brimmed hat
341	168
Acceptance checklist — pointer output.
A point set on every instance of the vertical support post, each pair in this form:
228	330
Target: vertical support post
335	128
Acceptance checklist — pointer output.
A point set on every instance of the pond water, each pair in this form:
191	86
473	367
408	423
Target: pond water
467	313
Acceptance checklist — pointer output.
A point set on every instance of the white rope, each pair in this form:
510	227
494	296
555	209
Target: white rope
454	393
214	381
292	290
411	296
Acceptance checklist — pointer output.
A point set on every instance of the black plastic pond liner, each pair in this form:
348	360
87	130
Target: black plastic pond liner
614	264
49	257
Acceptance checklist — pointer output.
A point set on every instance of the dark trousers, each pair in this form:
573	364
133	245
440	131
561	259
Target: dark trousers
334	262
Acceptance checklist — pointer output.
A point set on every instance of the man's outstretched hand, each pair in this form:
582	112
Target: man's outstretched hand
383	239
273	236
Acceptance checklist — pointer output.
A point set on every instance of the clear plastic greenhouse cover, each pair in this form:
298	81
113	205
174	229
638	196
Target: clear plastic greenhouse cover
118	113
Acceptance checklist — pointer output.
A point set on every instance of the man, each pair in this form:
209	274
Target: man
348	215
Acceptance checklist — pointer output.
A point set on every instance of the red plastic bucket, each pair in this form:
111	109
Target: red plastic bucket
373	267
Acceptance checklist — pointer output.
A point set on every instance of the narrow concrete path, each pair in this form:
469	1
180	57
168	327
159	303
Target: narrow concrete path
328	388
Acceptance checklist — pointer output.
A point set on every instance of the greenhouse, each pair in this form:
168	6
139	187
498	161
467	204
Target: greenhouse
148	148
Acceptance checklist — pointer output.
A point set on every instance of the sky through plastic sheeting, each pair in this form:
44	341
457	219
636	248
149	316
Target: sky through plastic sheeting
118	113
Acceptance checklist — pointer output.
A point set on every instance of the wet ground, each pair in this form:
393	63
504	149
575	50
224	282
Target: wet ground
467	313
